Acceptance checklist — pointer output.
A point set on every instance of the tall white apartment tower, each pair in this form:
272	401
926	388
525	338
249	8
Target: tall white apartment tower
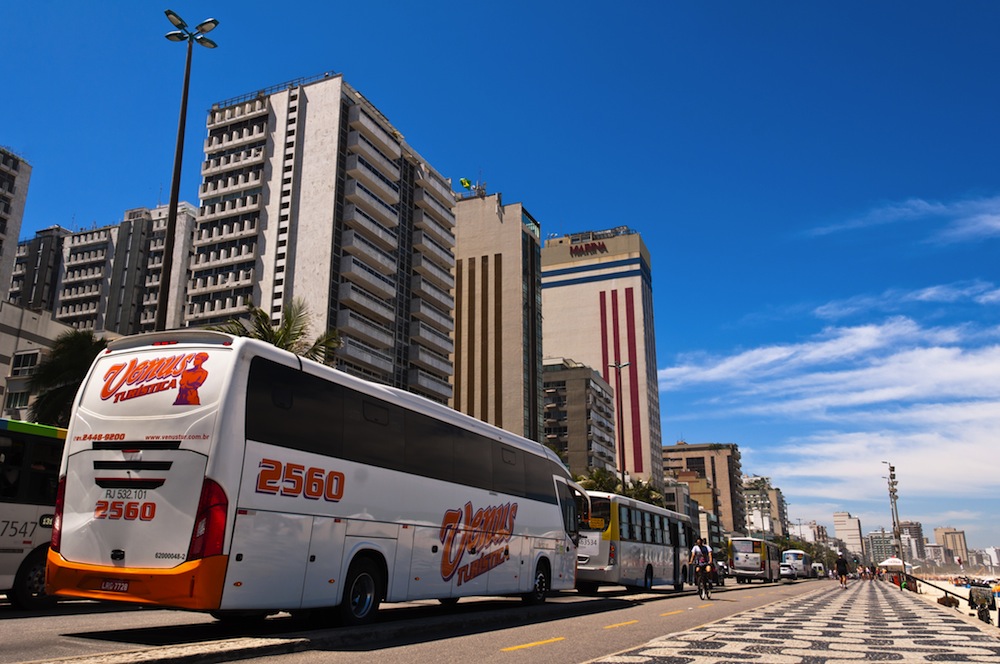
597	307
848	529
15	174
310	193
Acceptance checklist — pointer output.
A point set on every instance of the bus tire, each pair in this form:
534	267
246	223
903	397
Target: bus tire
363	590
541	586
28	593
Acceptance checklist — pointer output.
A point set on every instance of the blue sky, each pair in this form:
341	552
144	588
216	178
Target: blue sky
817	183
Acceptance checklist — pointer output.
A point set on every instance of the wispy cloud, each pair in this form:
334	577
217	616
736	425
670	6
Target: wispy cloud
957	221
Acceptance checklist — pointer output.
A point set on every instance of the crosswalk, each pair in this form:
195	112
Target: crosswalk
869	621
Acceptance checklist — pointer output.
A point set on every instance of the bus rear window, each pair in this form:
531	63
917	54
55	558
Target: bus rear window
600	514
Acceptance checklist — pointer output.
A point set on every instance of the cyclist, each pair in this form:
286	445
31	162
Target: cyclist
701	558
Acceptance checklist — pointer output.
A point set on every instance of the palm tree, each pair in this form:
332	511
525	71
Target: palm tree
290	334
58	377
600	479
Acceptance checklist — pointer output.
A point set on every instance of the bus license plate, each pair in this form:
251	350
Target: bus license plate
114	585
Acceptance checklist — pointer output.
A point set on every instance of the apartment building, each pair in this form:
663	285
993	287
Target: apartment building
579	416
720	464
15	175
308	192
498	314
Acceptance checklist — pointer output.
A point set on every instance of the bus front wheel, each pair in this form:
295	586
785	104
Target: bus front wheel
362	593
542	584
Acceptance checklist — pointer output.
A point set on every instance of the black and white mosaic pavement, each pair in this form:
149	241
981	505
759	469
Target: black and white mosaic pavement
867	622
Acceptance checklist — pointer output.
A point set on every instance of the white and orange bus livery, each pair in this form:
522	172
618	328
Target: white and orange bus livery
221	474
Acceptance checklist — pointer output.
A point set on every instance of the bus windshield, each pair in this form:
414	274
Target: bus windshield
600	514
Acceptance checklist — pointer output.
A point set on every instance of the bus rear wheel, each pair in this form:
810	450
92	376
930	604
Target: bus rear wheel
542	584
28	592
362	593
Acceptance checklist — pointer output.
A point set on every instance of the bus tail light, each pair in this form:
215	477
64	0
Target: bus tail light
56	542
210	522
611	554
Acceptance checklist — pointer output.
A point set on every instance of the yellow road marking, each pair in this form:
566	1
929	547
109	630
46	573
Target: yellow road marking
671	613
704	606
622	624
532	645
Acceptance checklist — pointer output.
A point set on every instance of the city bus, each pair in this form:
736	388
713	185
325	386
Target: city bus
800	561
752	558
222	474
29	468
626	542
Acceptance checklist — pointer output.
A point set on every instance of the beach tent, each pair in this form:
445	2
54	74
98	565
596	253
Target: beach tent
892	563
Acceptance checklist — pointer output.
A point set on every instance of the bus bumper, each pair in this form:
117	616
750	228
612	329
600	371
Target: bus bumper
195	585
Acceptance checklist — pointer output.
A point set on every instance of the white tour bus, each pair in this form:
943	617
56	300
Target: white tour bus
800	561
221	474
29	466
627	542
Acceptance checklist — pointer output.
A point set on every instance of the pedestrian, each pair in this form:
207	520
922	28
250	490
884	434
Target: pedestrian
841	566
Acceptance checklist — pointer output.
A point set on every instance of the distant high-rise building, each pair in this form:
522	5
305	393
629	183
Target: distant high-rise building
597	297
108	276
880	545
25	342
37	268
848	529
766	509
498	315
916	533
310	193
15	175
720	464
579	416
954	541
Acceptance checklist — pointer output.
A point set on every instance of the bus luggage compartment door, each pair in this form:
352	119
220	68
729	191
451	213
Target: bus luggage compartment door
267	563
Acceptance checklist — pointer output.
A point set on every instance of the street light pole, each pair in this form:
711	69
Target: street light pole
896	534
180	34
618	366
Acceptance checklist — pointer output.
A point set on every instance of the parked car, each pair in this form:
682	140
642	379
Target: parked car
786	571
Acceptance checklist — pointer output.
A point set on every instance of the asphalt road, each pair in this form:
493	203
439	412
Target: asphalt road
568	628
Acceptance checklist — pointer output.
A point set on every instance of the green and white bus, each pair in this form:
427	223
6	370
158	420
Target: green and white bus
29	472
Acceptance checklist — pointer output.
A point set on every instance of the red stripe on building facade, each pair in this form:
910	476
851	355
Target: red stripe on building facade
633	380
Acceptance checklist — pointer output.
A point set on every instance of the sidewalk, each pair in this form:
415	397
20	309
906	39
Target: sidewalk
869	621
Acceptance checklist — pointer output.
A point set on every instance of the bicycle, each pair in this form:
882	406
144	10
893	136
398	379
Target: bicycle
704	582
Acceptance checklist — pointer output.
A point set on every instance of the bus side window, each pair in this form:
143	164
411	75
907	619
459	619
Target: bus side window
623	523
11	460
374	432
508	469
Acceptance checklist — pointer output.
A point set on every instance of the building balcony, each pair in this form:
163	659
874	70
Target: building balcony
432	272
227	281
353	350
436	296
228	208
355	244
444	258
425	335
357	144
358	169
361	121
423	311
435	229
234	139
253	156
379	235
216	259
427	359
370	204
430	181
209	235
429	385
429	204
230	185
353	324
367	278
238	113
354	297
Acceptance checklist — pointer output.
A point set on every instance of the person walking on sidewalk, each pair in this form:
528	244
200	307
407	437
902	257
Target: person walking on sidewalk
841	566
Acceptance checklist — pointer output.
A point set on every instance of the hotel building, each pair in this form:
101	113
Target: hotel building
597	299
309	193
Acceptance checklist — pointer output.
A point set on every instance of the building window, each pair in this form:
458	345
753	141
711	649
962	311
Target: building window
24	364
16	400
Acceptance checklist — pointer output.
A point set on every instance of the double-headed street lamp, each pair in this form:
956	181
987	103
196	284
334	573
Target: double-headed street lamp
896	534
618	366
180	34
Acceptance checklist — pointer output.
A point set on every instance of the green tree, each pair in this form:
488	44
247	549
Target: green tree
289	334
645	492
58	377
600	479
